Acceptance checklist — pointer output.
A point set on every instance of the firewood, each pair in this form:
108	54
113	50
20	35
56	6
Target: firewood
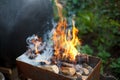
55	69
79	76
68	71
84	77
65	64
79	69
52	68
88	67
86	71
85	65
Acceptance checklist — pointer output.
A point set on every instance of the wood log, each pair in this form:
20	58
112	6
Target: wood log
52	68
68	71
65	64
86	71
79	69
88	67
79	76
84	77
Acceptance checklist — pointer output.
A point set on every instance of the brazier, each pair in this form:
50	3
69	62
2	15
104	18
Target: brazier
28	71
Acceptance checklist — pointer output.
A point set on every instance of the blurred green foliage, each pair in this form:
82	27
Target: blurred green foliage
115	66
86	49
98	22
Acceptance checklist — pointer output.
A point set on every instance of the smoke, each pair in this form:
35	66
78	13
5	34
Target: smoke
45	50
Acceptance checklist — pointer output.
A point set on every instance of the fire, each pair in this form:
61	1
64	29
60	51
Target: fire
34	43
65	41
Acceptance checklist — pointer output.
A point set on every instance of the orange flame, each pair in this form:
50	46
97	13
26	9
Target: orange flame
36	43
65	42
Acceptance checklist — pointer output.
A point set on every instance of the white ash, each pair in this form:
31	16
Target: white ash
45	52
39	58
45	48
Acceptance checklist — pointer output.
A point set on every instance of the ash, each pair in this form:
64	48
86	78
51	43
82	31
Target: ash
44	50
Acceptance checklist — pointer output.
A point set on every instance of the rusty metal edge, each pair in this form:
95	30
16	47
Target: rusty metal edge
95	74
96	70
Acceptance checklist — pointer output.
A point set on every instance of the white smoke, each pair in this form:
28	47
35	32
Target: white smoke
45	49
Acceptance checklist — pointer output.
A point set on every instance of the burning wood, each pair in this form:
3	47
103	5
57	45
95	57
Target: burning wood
65	64
60	56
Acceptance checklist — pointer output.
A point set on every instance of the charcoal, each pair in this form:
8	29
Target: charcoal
32	56
42	63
